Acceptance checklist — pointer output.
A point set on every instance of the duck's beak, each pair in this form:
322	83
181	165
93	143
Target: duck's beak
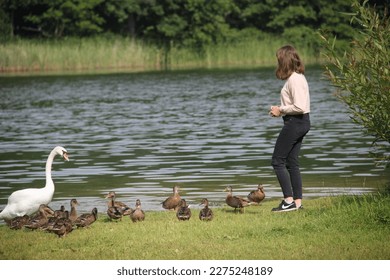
65	156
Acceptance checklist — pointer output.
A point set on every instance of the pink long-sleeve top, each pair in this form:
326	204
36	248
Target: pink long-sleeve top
294	96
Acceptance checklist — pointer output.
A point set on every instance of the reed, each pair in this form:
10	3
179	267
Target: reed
130	55
330	228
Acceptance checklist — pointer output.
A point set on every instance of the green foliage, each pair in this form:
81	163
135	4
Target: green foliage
362	73
190	23
325	229
68	17
115	53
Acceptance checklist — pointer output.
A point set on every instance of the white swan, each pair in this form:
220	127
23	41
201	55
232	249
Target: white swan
27	201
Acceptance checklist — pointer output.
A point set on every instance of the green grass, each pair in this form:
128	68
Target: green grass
102	54
345	227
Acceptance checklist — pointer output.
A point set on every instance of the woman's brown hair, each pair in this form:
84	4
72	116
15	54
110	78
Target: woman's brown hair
288	62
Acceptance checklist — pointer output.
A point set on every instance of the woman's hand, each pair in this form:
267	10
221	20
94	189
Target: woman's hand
275	111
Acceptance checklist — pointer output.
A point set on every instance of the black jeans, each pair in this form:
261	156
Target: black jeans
285	157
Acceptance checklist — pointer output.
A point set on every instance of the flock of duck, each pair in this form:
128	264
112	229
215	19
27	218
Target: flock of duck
28	208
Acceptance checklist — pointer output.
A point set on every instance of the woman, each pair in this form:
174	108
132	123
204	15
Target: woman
294	108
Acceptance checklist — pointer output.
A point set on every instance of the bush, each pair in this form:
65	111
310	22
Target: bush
362	74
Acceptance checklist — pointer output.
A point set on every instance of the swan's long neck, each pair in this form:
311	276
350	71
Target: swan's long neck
49	162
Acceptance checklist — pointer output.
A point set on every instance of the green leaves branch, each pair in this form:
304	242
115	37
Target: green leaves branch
361	74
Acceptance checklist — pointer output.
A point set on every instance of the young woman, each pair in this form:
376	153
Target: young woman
294	108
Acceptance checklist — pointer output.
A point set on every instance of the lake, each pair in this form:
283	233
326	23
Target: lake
140	134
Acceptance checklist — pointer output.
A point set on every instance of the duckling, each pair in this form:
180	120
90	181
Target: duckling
73	210
63	225
257	195
137	215
18	222
172	202
206	214
183	212
235	201
85	220
112	202
41	219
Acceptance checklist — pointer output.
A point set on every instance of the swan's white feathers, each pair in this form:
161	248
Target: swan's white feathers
27	201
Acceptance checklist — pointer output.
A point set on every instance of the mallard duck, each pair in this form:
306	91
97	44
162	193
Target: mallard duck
28	201
53	220
257	195
18	222
73	210
63	225
122	207
41	218
60	212
206	214
183	212
85	220
235	201
172	202
114	213
137	215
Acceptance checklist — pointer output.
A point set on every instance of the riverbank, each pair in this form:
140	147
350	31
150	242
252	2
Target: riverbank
85	55
329	228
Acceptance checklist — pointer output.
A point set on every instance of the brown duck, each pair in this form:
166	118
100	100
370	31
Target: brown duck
60	213
114	213
18	222
137	215
73	210
85	220
257	195
63	225
183	212
235	201
122	207
41	219
206	214
172	202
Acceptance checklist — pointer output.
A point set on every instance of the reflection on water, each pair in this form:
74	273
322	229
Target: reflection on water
140	134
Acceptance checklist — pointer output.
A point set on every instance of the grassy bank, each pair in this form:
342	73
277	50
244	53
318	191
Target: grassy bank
346	227
124	54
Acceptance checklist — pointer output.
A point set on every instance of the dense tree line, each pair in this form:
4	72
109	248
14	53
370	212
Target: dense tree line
189	23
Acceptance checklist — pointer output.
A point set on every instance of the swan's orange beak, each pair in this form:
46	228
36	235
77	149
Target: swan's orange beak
65	156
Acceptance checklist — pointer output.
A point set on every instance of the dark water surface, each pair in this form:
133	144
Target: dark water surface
140	134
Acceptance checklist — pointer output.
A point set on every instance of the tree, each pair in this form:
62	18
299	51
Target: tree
68	17
362	73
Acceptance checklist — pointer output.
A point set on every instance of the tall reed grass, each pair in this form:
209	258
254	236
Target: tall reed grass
125	54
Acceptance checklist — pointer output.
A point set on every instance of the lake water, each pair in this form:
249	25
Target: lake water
140	134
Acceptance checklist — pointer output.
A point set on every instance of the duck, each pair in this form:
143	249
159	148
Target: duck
27	201
63	225
53	220
183	212
114	213
137	215
41	218
19	222
112	202
73	210
256	196
235	201
173	201
85	220
206	214
60	212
